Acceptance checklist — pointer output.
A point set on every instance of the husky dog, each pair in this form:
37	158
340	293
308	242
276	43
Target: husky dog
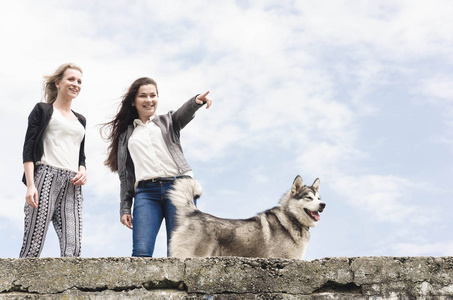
282	231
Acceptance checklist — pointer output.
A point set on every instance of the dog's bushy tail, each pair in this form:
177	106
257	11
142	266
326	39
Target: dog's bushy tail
183	193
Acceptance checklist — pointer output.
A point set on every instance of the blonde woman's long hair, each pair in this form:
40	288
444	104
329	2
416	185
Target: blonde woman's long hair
49	87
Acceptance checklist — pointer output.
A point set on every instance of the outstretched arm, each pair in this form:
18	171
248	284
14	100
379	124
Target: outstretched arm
183	115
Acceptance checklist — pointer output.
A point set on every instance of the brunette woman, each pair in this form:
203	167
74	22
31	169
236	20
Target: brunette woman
146	152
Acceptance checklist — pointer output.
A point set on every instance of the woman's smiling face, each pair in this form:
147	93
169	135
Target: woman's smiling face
70	85
146	101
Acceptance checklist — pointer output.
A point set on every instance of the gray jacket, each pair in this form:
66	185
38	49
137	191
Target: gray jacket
170	124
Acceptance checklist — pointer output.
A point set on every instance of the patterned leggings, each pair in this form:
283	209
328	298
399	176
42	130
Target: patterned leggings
59	201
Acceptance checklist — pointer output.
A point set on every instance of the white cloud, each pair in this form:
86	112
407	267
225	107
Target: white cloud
387	198
398	30
439	90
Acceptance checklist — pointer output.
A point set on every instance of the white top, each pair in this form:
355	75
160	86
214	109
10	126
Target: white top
150	154
61	142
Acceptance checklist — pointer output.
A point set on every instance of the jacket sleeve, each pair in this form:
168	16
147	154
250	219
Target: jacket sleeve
126	198
185	113
34	122
82	145
126	176
82	154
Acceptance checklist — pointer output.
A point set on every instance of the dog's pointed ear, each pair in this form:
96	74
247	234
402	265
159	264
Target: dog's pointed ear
298	184
316	184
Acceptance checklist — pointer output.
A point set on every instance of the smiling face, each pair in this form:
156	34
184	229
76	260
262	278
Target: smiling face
70	85
146	101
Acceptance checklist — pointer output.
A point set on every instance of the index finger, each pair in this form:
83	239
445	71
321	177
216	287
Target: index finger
204	95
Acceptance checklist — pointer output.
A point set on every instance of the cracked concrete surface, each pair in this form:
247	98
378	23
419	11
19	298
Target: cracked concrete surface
227	278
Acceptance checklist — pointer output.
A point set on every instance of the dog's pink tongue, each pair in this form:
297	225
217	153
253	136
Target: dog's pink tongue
316	215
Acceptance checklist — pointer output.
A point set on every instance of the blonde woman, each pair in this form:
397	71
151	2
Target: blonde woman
54	165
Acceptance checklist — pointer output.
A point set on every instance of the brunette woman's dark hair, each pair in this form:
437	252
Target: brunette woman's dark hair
125	117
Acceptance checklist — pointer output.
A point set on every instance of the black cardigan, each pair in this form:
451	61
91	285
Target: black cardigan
37	121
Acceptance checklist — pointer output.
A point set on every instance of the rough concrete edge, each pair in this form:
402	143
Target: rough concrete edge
354	276
89	274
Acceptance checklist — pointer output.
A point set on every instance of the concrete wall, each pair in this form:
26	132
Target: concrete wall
227	278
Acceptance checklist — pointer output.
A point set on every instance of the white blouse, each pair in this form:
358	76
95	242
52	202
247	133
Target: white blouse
150	154
61	142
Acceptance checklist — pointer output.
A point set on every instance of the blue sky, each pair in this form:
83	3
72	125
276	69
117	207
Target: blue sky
357	93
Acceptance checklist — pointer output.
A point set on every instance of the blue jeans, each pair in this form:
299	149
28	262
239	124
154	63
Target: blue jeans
151	206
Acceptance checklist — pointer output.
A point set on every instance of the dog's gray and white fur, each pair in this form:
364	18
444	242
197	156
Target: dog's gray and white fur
282	231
